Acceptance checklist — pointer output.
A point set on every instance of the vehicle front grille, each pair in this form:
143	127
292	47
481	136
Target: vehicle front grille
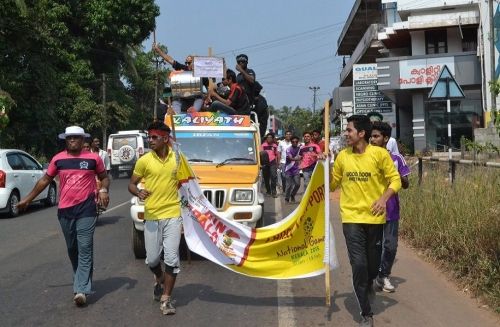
215	197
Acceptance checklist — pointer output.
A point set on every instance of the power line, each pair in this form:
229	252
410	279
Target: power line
284	38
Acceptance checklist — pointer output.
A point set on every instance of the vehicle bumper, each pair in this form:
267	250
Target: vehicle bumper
137	211
4	198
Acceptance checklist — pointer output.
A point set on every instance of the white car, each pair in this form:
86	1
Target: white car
19	173
124	148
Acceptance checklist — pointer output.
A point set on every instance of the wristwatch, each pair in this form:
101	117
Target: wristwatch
103	190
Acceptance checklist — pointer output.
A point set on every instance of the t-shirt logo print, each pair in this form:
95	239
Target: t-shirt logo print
84	165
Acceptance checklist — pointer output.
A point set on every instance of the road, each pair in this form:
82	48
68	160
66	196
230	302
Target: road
36	288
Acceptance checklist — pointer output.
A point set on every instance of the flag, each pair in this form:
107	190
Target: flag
295	247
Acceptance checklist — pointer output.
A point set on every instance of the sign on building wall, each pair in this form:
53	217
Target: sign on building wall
367	97
421	73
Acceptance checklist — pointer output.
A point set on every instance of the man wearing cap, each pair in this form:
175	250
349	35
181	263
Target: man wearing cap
246	76
77	211
162	211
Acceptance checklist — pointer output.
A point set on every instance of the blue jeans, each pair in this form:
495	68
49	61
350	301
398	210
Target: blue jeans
79	236
390	246
292	186
307	177
219	106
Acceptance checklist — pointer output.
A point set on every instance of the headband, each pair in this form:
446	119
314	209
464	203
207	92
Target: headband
158	132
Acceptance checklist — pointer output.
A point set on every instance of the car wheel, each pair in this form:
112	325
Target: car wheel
126	153
138	243
51	199
12	204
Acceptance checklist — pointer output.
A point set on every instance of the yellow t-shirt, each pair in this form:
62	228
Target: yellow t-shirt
363	178
160	178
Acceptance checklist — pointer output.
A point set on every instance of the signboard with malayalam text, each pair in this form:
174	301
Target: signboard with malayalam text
422	73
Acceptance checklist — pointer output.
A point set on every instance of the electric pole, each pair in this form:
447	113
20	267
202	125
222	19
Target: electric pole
314	89
492	54
104	111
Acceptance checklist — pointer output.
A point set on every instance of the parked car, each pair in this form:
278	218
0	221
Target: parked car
19	173
124	148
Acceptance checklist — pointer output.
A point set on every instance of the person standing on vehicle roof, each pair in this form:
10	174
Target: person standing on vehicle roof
246	77
237	101
162	211
77	169
182	104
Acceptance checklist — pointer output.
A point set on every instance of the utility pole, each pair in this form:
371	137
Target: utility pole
492	53
314	89
104	111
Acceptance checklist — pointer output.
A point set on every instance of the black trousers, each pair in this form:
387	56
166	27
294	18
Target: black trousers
270	175
364	246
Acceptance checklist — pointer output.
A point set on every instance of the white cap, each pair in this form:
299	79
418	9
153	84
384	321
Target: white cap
73	130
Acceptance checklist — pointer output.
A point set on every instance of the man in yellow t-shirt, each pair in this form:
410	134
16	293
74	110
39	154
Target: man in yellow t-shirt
162	211
367	179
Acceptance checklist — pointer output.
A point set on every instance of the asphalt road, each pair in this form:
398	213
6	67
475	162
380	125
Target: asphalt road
36	288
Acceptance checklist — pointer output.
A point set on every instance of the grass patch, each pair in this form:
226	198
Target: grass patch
457	225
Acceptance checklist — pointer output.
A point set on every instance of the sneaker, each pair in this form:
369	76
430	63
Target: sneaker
366	321
167	307
80	299
157	291
385	284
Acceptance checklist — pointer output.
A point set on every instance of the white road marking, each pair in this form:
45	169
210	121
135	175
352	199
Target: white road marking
286	313
116	207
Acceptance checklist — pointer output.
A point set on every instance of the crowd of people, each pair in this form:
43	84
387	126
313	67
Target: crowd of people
368	173
237	93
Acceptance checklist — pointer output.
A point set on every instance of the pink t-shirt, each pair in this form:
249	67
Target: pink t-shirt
271	149
309	154
77	177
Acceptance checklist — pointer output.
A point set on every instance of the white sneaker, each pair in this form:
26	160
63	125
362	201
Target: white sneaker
80	299
385	284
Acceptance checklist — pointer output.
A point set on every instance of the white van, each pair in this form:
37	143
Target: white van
124	148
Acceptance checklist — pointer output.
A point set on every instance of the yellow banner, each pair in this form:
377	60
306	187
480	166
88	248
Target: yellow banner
292	248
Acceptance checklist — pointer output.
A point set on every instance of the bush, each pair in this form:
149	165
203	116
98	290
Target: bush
459	225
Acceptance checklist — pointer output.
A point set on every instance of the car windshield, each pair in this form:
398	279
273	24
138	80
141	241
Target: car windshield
217	147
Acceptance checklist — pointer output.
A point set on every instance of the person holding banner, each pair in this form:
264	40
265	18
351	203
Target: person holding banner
162	211
367	178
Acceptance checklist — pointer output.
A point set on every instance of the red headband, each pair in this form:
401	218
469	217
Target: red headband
157	132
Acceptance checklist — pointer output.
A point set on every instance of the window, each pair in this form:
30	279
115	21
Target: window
469	41
29	163
436	41
15	161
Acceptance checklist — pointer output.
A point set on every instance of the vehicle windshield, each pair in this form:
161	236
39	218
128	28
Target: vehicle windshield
217	147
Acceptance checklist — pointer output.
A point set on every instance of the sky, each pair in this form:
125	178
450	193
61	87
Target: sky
291	44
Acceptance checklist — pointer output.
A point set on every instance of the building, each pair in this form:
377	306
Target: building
396	51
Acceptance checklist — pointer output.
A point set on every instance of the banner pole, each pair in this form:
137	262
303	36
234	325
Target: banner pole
326	115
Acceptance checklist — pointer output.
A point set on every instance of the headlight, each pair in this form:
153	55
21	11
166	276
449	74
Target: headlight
243	196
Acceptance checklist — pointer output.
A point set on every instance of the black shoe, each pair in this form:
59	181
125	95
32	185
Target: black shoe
287	201
366	321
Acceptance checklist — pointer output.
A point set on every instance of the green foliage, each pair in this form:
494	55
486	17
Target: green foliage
299	120
470	145
53	54
458	226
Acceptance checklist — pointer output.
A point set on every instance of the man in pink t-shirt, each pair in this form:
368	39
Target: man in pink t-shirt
270	169
310	152
77	211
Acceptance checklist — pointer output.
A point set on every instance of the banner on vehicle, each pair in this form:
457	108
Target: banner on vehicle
295	247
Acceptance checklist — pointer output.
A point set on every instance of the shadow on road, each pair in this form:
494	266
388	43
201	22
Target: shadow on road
187	293
107	220
109	285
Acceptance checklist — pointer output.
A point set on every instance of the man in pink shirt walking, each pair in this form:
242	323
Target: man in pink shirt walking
270	169
77	211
